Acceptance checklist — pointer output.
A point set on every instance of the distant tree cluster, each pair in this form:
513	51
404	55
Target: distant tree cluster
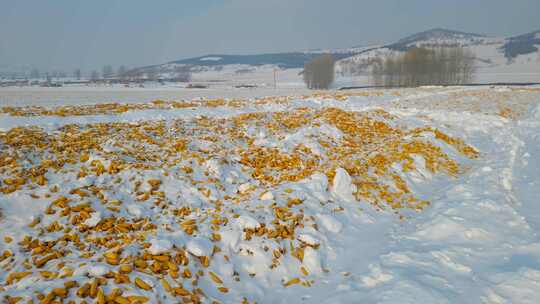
94	75
107	71
77	73
423	66
122	72
319	72
356	67
35	73
182	73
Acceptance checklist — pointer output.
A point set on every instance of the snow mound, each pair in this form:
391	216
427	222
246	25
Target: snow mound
342	186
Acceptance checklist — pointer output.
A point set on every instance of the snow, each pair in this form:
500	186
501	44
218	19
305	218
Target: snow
329	223
342	186
267	196
94	219
478	241
214	168
308	239
97	271
159	246
521	287
244	188
92	271
492	65
211	59
247	222
376	277
73	95
199	247
312	260
135	210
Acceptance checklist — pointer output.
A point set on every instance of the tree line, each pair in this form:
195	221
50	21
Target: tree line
319	72
415	67
423	66
181	73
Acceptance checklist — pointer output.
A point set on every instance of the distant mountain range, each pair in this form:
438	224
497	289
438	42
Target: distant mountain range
283	60
438	37
490	51
519	53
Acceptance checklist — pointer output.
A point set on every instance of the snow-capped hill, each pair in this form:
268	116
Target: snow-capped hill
289	60
443	37
499	57
346	51
211	59
241	69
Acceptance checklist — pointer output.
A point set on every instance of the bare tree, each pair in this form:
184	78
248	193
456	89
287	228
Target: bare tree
319	72
34	73
182	73
94	75
77	74
377	72
107	71
122	72
423	66
152	74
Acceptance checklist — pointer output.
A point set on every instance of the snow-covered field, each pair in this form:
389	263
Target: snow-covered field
424	195
15	96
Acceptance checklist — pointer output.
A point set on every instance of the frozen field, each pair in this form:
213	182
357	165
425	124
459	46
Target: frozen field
425	195
90	95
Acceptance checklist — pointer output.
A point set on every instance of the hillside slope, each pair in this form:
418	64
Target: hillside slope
510	59
498	59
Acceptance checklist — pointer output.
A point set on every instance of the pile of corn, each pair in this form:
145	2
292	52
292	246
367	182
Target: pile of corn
118	158
118	108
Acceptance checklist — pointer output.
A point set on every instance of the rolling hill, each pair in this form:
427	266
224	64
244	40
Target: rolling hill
498	59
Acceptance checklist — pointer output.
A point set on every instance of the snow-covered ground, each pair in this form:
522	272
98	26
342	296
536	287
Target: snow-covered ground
74	95
424	195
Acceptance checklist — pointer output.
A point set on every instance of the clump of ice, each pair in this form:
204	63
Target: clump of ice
267	196
230	239
199	247
342	186
537	112
226	269
308	239
329	223
244	188
93	220
376	277
134	210
159	246
317	184
97	271
92	271
312	260
214	168
247	222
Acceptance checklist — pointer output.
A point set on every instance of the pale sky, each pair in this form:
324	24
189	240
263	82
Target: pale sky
66	34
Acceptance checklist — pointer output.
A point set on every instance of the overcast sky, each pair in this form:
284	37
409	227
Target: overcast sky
65	34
